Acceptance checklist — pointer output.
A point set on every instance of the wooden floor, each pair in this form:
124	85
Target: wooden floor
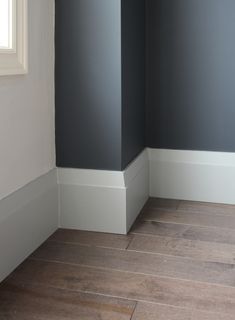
177	263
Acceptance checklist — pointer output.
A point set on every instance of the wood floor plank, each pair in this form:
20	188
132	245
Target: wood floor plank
205	207
178	263
138	287
162	203
189	218
159	312
199	250
182	231
151	311
92	238
138	262
27	302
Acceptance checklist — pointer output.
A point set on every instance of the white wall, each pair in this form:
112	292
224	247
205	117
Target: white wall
27	138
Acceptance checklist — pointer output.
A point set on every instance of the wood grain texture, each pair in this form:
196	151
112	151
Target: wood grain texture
137	287
205	207
190	218
178	263
199	250
181	231
162	203
162	312
27	302
92	238
137	262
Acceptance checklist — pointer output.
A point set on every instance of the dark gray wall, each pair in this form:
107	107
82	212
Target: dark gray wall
133	79
100	83
88	84
191	74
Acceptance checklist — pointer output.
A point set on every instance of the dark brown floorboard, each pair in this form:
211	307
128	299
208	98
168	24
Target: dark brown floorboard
127	285
162	312
29	302
205	207
181	231
138	262
105	240
190	218
197	250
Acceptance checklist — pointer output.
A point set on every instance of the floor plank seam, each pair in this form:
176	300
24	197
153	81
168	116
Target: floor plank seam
86	245
135	273
136	303
190	212
130	299
127	248
180	257
180	269
186	224
149	252
144	234
134	250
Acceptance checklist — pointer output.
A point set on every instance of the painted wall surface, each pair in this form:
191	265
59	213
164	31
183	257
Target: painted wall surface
27	107
191	74
88	84
133	79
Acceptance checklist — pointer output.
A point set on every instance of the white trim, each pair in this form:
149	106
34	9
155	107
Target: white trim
106	201
133	169
93	208
27	218
137	187
85	177
193	157
15	61
192	175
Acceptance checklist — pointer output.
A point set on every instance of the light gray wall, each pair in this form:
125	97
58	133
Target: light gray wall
28	217
27	130
191	74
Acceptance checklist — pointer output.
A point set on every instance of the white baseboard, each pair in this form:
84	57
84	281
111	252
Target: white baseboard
27	218
108	201
192	175
105	201
136	178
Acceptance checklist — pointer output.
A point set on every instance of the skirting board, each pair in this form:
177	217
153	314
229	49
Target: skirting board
192	175
105	201
27	218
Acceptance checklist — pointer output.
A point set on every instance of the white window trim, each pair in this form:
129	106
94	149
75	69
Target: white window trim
15	61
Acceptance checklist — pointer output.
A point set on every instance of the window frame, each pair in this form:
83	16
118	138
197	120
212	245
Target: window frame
14	60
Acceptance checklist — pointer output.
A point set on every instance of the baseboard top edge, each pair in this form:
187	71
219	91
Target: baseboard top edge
193	157
44	175
139	163
103	178
86	177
